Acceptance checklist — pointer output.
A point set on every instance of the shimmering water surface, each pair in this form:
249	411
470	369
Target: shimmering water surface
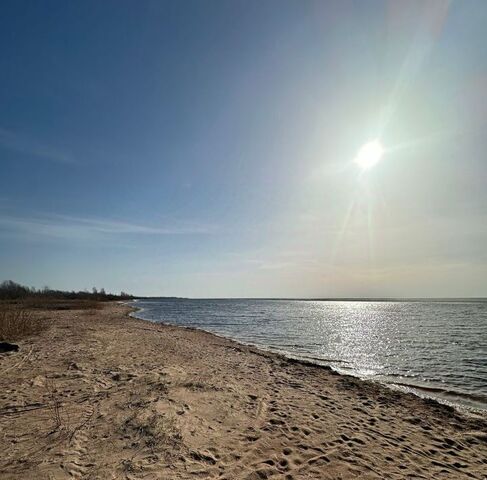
436	349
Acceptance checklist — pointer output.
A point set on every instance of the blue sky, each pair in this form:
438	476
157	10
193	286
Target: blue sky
206	148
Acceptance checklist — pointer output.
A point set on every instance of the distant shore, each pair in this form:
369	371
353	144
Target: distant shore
329	299
101	394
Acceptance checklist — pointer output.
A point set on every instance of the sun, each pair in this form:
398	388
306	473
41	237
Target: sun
369	154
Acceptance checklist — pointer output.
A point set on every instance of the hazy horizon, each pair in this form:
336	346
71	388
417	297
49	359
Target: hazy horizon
329	299
245	149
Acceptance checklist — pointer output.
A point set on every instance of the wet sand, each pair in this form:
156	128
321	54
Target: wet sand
101	395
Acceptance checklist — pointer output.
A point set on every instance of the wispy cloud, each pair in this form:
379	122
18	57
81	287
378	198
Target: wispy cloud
23	144
81	228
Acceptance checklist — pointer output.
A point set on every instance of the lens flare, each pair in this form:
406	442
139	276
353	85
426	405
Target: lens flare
369	154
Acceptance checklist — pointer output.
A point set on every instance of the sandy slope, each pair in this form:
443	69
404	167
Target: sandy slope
104	396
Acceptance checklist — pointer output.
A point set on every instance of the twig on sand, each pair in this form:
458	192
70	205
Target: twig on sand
54	405
81	425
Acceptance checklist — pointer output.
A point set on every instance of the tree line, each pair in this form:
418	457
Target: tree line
10	290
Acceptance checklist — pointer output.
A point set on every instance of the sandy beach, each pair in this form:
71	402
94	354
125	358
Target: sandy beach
101	395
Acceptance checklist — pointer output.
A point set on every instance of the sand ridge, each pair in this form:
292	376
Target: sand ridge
101	395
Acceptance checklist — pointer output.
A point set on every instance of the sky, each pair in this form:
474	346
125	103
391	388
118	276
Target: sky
208	148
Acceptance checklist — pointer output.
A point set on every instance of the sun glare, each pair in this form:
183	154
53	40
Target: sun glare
369	154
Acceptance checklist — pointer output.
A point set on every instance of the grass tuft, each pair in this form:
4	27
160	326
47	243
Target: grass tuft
17	322
155	431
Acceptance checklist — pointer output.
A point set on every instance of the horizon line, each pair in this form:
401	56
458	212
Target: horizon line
317	299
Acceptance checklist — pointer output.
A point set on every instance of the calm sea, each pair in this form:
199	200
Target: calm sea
432	348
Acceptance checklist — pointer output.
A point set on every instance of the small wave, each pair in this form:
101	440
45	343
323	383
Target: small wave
445	391
310	358
463	400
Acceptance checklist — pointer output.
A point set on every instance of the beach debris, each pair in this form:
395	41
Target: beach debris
8	347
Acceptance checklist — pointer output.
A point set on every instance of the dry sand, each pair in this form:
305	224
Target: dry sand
101	395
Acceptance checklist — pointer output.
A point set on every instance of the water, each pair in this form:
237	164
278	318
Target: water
432	348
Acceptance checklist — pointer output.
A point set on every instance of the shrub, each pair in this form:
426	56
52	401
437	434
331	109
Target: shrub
17	323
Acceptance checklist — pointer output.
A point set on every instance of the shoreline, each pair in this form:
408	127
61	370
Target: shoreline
407	389
137	399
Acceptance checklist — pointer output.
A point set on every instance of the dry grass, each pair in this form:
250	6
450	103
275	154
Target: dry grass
18	322
46	303
54	404
21	318
154	431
